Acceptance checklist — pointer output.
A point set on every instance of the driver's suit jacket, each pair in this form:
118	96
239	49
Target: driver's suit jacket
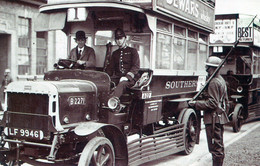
88	55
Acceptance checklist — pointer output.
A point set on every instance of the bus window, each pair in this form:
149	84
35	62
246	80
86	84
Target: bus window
103	37
179	54
138	41
203	49
179	48
192	35
163	51
192	56
243	65
179	31
142	44
163	45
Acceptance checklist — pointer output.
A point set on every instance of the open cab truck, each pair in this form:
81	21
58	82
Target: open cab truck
242	67
65	119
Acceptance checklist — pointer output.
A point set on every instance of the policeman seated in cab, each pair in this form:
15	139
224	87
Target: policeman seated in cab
124	66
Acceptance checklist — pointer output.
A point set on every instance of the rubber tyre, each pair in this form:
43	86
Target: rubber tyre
190	122
98	151
237	118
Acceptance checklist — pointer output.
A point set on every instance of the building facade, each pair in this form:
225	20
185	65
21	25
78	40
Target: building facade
27	53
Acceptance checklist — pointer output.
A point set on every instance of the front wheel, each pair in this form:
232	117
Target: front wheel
98	152
190	121
237	118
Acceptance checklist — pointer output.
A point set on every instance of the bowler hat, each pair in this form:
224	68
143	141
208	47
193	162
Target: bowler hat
119	33
80	35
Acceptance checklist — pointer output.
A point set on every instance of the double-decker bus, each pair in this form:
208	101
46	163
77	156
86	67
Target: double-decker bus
65	119
242	67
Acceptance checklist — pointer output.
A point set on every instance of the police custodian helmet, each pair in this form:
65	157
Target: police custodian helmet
213	61
119	33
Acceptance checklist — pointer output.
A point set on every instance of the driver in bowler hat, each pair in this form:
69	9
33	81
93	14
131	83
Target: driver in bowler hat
82	54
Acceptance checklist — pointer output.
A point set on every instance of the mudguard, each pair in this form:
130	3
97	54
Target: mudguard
113	133
87	128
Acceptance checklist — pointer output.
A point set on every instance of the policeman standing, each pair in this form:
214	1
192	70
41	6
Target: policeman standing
214	111
82	54
124	65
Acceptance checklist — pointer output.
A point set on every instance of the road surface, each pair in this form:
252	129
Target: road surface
200	155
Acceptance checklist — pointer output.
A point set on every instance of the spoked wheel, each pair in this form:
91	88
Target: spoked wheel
190	130
3	158
98	152
2	144
237	118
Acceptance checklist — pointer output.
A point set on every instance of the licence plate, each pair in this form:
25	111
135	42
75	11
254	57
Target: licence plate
25	133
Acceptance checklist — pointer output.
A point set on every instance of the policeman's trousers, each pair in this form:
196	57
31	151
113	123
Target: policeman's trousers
216	148
122	86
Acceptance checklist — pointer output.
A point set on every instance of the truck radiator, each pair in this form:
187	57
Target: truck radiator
162	143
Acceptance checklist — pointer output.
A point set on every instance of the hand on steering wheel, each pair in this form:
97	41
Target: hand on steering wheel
66	63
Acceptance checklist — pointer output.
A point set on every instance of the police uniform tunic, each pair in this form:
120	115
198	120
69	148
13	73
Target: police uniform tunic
125	62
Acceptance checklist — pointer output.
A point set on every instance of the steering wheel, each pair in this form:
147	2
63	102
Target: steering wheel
66	64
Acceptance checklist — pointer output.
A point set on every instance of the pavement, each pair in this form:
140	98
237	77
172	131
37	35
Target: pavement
200	155
235	142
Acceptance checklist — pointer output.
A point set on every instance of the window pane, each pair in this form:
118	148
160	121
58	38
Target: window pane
104	37
179	31
203	38
23	46
142	45
202	56
163	51
41	62
192	56
192	34
164	26
179	54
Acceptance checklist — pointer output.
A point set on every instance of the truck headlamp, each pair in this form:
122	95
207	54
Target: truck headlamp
113	103
239	89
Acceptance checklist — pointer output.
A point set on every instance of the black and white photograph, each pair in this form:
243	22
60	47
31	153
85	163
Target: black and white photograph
130	83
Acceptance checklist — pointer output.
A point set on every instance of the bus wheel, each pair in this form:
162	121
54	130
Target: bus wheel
190	130
98	151
237	118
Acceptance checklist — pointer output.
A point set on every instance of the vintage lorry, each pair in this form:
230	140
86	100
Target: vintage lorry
242	66
65	119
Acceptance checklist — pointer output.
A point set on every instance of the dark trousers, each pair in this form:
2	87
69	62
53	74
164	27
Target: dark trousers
216	148
121	87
